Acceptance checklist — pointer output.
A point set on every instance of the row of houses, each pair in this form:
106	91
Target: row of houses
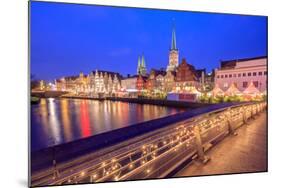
239	72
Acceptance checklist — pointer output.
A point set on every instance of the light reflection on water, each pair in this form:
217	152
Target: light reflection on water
57	121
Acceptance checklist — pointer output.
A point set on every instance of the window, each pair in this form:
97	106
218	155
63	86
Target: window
239	75
245	84
221	76
260	73
226	76
244	74
256	84
225	85
265	72
218	76
234	75
230	76
254	74
249	74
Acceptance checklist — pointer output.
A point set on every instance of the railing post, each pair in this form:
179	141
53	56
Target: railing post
256	111
199	146
245	119
229	122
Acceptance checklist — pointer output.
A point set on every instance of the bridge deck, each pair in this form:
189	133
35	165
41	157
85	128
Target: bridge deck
246	152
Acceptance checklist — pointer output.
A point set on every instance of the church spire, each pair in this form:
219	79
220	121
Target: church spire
142	61
173	44
139	65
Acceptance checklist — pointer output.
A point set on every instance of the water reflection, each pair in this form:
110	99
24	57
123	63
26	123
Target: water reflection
66	121
56	121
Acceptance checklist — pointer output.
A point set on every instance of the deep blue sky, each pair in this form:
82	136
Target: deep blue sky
69	38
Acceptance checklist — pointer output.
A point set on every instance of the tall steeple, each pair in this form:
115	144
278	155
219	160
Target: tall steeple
174	43
139	66
142	61
174	53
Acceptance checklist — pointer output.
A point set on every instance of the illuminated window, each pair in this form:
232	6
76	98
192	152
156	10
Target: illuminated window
225	85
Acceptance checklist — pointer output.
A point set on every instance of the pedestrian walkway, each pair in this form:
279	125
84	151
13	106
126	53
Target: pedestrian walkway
246	152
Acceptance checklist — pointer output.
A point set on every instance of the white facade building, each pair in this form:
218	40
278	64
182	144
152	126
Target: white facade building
242	72
129	83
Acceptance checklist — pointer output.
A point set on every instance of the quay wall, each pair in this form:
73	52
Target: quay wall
48	94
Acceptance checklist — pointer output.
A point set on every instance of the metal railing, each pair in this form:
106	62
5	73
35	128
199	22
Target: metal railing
157	155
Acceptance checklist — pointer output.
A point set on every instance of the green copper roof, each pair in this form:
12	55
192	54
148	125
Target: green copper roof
138	69
142	61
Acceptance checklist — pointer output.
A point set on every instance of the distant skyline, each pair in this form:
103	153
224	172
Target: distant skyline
67	39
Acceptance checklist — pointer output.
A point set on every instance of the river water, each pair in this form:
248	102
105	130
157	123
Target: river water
57	121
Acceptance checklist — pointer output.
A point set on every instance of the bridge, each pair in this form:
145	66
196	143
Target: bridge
165	152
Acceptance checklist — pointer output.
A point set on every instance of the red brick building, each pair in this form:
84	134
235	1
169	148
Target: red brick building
185	76
141	83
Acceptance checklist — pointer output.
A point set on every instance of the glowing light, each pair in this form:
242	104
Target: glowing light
148	170
131	166
82	173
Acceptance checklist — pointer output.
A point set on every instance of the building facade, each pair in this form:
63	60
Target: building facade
97	82
169	81
129	83
185	77
241	72
141	83
155	80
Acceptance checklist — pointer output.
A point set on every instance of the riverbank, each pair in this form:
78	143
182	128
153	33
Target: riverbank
47	94
158	102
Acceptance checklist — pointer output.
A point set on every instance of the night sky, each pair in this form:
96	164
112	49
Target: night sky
69	38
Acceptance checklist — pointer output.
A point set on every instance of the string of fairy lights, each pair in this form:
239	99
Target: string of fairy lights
141	157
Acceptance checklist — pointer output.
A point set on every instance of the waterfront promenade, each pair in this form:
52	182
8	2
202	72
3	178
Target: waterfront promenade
246	152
